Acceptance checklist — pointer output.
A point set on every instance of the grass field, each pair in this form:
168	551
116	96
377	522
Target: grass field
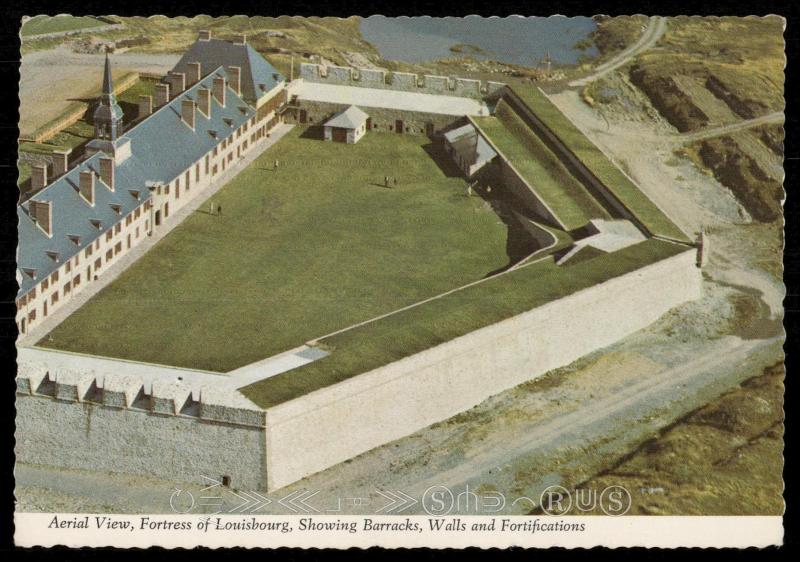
598	163
298	253
542	169
39	25
400	335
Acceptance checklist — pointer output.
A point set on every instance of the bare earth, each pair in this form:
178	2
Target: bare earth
78	77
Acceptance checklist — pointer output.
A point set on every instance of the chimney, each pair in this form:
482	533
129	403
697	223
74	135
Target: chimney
193	72
219	90
60	162
204	35
41	213
177	82
38	176
86	186
107	172
162	94
145	106
239	39
187	112
235	75
204	101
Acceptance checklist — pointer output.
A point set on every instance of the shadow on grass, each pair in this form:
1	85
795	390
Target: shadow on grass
438	154
313	132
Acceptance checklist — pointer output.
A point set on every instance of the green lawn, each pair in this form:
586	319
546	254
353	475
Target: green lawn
400	335
598	163
572	204
53	24
298	253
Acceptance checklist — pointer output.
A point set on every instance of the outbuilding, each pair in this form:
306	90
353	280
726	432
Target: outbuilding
346	126
468	149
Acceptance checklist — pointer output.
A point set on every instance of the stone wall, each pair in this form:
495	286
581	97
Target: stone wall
336	423
401	81
115	424
382	120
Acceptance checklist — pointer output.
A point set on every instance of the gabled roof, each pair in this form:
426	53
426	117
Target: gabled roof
350	118
469	144
162	146
258	76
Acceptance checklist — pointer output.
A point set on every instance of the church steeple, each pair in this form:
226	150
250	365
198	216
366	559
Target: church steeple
108	115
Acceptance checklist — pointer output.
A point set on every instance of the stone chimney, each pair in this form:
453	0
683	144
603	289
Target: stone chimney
187	113
235	76
38	176
204	101
177	82
60	162
193	72
218	90
107	166
86	186
204	35
145	106
162	94
41	212
239	39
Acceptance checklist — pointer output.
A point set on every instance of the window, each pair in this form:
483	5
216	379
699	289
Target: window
97	244
137	213
54	298
166	189
66	289
68	267
118	248
118	228
207	159
128	220
45	284
54	277
137	232
32	316
216	151
77	260
196	173
97	263
77	280
109	255
32	294
109	235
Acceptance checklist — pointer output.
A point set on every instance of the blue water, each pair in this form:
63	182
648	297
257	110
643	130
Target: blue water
515	40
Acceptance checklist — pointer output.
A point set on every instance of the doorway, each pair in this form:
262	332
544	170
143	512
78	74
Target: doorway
398	126
158	218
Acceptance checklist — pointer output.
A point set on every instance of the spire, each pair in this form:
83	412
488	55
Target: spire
108	86
108	114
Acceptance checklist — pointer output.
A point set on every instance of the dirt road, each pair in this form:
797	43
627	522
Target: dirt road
655	29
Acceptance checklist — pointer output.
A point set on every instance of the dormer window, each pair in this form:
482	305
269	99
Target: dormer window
134	193
98	224
30	272
75	239
228	121
52	255
116	208
214	134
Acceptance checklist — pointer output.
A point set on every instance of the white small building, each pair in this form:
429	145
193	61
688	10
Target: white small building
347	126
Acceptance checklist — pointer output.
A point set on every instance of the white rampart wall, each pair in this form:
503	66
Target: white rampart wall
110	423
402	81
336	423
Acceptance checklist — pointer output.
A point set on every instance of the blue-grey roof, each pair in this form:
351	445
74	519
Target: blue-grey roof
258	76
162	147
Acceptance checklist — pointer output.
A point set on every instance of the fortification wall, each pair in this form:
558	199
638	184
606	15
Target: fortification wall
381	119
401	81
398	399
115	424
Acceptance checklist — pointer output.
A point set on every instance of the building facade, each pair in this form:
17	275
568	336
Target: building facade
86	218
